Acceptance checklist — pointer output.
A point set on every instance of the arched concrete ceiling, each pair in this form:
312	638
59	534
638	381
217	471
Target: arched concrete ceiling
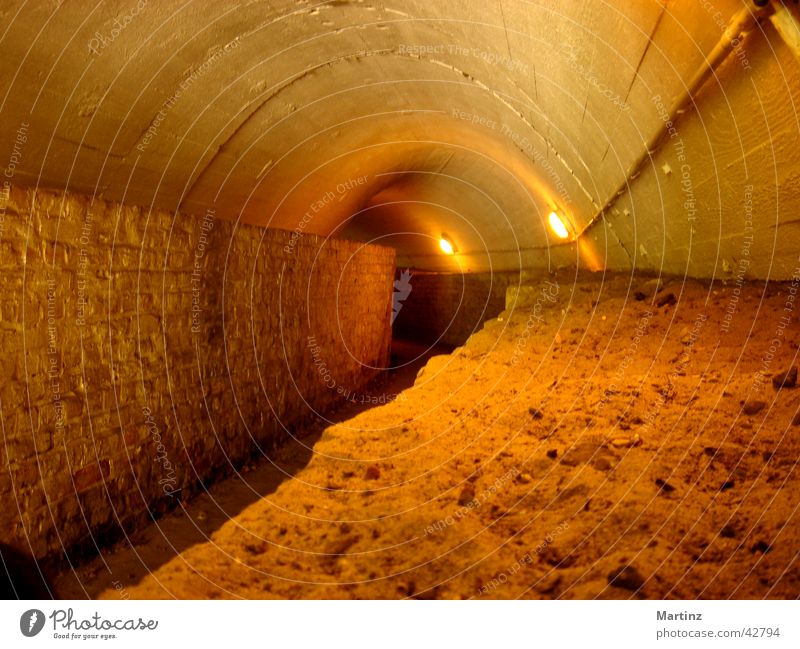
398	120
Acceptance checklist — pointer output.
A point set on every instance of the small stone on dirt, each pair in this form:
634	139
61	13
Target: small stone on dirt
570	493
372	473
552	453
524	478
787	379
602	464
650	287
727	532
626	577
666	299
753	407
665	486
579	454
535	413
255	549
761	546
467	495
622	442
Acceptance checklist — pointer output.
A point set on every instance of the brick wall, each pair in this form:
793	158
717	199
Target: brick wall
449	307
144	354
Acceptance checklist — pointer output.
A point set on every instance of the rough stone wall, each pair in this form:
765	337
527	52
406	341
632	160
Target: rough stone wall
144	354
449	307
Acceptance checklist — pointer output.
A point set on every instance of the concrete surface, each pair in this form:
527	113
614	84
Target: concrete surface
397	120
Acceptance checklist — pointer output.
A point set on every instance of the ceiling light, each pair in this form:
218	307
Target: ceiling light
558	226
446	245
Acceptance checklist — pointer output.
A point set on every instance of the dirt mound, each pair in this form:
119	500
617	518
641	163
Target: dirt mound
601	443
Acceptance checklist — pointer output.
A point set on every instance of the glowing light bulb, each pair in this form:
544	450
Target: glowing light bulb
558	226
446	245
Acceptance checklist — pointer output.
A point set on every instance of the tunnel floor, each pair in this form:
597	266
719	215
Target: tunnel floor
587	444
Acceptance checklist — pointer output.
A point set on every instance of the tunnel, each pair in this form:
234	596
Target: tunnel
393	299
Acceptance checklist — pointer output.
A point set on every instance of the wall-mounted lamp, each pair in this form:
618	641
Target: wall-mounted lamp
558	226
447	246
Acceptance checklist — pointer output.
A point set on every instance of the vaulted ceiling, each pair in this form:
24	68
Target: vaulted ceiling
398	120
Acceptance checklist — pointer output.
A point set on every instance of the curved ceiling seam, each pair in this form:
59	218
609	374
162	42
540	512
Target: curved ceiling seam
274	92
645	50
213	52
548	144
355	56
178	89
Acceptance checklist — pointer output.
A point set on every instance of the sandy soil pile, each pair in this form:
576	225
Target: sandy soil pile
606	439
